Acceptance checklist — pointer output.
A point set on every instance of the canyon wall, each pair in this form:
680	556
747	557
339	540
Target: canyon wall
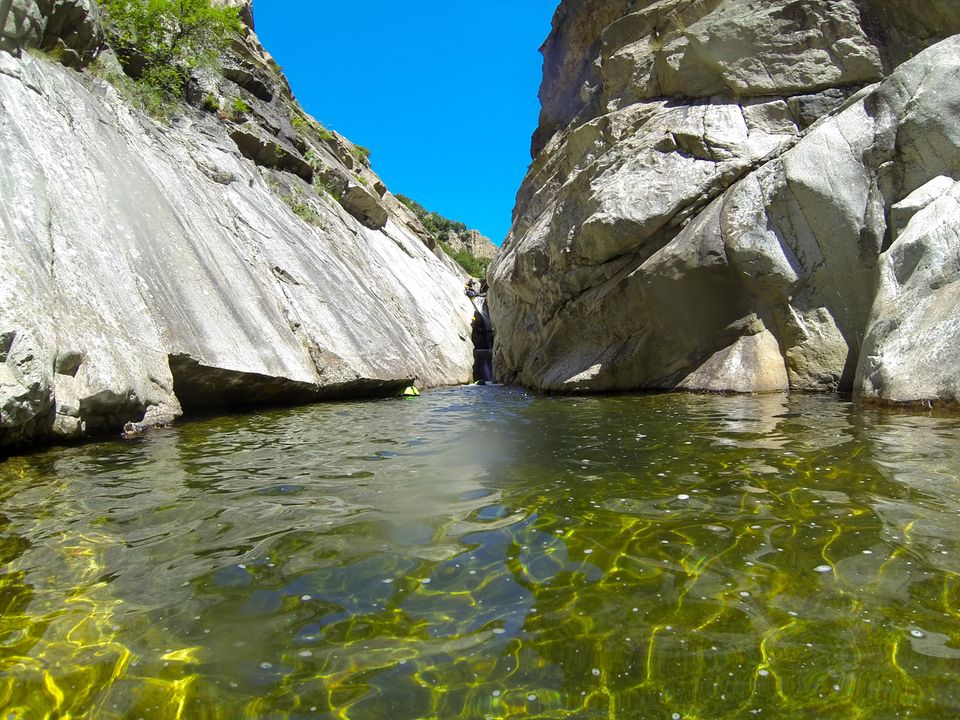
740	196
233	254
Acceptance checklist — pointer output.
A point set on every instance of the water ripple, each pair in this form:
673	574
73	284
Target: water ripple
484	553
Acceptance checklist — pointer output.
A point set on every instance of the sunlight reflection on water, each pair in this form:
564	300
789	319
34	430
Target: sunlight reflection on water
480	552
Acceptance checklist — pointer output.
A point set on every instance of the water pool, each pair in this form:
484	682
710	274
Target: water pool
484	553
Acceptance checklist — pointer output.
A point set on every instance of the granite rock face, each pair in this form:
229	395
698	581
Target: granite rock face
473	242
910	352
151	268
720	188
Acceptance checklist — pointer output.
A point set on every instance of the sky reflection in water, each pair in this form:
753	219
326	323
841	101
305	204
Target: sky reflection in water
479	552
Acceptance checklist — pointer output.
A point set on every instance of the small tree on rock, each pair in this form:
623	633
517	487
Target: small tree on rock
158	41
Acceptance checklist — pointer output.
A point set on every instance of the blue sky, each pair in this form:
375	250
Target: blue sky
444	93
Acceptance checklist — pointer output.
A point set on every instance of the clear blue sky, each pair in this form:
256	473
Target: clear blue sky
444	93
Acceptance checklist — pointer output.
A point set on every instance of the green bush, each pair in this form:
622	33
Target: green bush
159	41
144	95
439	227
239	107
475	267
327	186
210	103
299	124
415	207
296	201
435	224
362	154
302	209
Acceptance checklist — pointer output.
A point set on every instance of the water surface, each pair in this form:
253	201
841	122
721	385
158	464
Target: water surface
481	553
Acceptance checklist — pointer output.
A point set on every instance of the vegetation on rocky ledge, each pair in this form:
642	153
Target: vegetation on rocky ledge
441	229
158	42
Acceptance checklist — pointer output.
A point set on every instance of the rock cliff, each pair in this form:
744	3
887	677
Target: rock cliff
740	196
471	249
473	242
237	253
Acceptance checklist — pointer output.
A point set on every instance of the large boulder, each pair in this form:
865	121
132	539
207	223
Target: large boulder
714	194
364	205
21	25
72	29
69	28
910	353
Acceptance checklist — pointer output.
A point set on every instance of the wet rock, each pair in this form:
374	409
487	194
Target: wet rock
204	388
26	396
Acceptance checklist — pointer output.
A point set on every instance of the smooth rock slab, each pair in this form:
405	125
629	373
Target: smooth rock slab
129	250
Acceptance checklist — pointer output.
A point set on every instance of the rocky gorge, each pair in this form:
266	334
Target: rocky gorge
235	253
729	196
724	196
740	196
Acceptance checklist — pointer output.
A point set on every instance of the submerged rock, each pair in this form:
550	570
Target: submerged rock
719	189
149	268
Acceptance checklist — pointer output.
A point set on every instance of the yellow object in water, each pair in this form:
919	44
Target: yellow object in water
411	392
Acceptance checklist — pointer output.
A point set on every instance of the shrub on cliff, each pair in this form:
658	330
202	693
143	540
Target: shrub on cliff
434	223
440	228
474	266
158	41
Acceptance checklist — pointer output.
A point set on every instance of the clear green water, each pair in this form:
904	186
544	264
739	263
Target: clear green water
481	553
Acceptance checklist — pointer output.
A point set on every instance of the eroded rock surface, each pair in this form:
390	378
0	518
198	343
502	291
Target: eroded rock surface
718	190
473	242
147	268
